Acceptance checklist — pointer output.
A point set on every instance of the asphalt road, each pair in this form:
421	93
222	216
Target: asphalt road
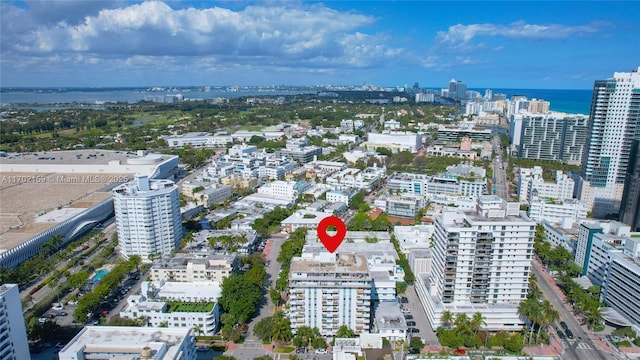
581	347
499	173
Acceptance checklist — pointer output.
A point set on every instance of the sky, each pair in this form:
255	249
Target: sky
500	44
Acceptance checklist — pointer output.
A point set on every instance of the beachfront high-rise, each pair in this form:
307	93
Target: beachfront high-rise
13	334
147	217
613	124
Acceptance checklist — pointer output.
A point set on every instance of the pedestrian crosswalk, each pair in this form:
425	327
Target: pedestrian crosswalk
583	346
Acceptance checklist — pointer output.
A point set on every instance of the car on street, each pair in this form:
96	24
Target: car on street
413	330
561	335
569	334
62	313
564	325
408	317
405	310
411	323
321	351
57	306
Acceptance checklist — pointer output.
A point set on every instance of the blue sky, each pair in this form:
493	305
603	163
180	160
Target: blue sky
515	44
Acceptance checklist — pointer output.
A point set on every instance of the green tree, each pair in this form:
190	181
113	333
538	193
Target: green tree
447	318
240	296
345	332
476	322
264	328
416	343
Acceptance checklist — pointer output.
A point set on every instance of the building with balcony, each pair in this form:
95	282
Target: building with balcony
187	267
615	104
13	333
481	263
127	342
595	239
555	211
550	136
621	291
147	217
330	290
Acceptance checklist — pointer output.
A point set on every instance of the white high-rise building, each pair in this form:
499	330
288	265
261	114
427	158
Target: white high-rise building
147	217
613	124
330	290
13	334
481	263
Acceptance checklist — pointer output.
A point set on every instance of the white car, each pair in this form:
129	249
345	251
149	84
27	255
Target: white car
321	351
404	310
57	306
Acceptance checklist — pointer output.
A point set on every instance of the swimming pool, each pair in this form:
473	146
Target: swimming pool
100	274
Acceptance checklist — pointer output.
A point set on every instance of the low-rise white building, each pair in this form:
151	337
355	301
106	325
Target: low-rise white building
188	267
303	219
173	314
396	142
530	181
288	190
198	139
127	342
410	237
390	322
365	179
343	196
541	209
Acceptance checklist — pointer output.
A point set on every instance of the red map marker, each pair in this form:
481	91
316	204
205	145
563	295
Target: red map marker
331	243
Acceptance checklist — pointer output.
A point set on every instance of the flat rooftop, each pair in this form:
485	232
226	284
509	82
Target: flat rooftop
342	263
73	157
123	340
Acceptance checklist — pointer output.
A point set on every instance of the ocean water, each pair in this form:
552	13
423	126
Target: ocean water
569	101
566	100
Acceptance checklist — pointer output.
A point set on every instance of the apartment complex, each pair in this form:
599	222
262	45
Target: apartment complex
613	125
147	217
425	185
550	136
630	209
195	267
481	263
330	290
13	333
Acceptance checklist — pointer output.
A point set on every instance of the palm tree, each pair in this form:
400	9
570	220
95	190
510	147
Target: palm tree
447	318
549	315
529	309
477	321
462	324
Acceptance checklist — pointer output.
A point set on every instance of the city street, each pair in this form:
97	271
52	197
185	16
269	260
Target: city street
582	347
499	171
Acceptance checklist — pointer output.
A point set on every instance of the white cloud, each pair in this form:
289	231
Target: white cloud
463	34
280	35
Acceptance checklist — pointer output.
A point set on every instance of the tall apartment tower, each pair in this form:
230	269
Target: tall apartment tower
481	263
13	333
457	89
330	290
613	124
147	217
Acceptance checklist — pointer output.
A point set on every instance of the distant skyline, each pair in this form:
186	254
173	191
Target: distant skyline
534	45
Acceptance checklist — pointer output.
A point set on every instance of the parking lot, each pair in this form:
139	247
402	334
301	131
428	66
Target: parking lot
419	317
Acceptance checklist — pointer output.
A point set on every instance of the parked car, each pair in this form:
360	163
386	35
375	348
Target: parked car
321	351
62	313
202	348
561	335
57	306
414	330
408	317
405	310
411	323
564	325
